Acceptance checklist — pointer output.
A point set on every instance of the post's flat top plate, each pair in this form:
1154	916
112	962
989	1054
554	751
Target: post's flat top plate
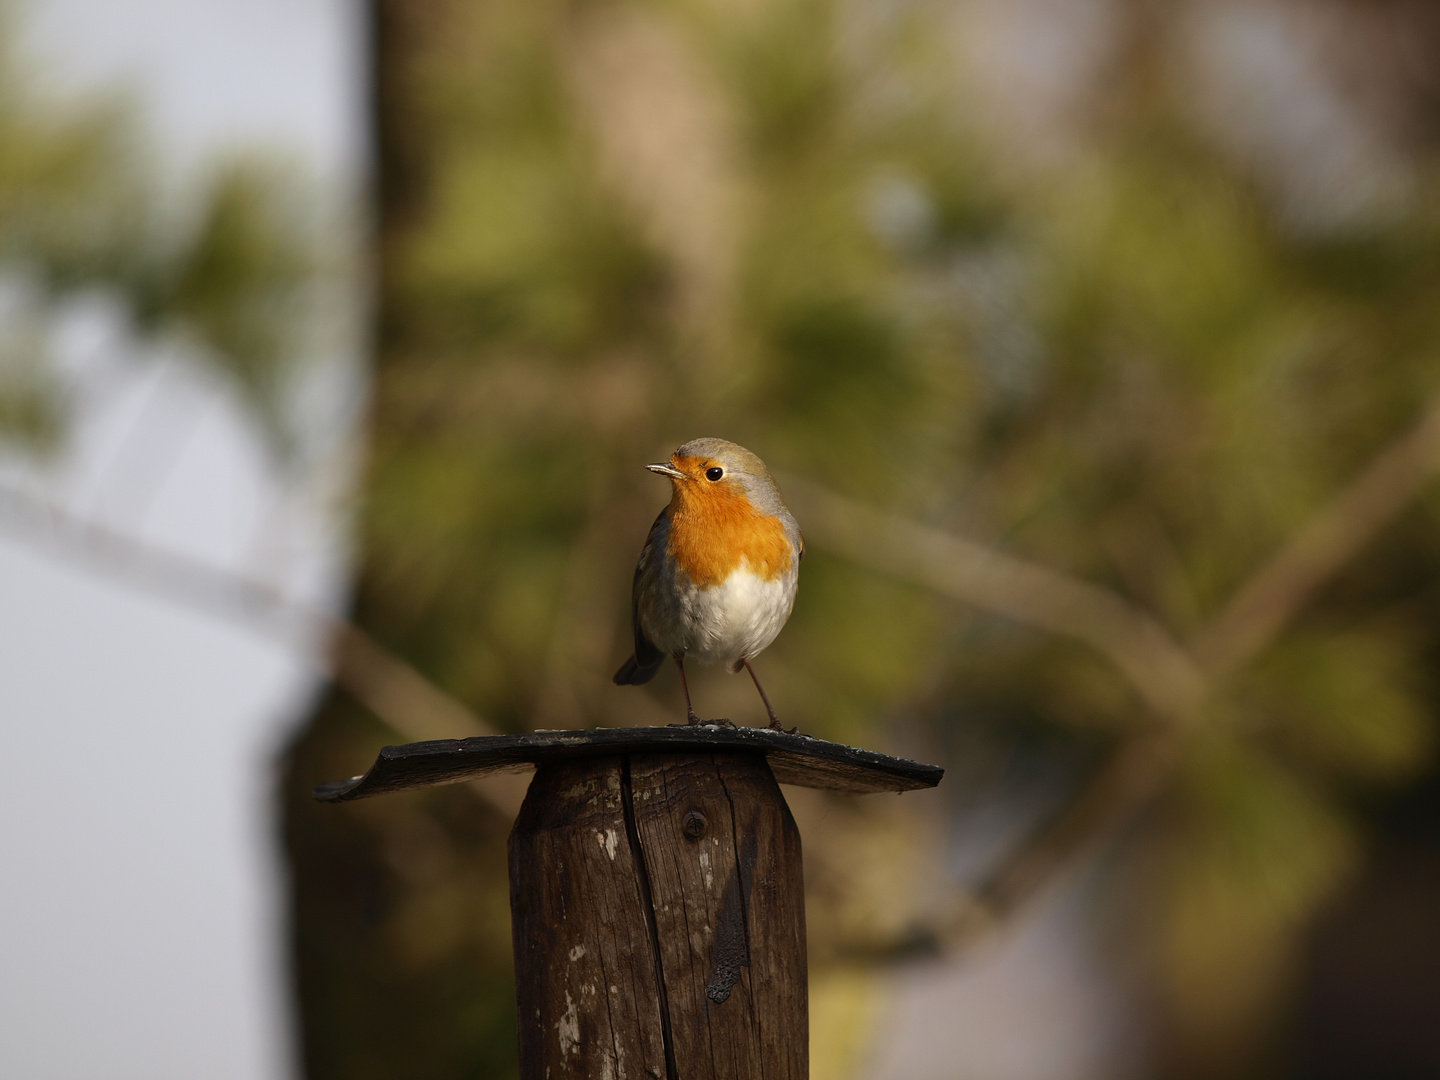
794	759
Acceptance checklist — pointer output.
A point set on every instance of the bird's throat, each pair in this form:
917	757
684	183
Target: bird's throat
714	530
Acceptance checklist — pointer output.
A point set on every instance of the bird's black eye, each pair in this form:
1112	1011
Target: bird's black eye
714	473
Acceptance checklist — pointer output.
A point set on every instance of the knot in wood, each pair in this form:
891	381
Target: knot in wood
694	825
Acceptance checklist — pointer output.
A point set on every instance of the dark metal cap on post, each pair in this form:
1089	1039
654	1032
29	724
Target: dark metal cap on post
656	895
794	759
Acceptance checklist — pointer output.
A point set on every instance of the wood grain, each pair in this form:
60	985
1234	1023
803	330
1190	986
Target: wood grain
585	964
723	857
659	921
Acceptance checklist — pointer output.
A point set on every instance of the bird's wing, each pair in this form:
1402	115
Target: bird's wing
646	653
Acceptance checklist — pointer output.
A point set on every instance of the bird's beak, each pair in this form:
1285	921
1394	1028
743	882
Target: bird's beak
664	468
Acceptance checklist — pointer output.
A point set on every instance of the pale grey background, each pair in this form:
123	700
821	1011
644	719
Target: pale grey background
139	916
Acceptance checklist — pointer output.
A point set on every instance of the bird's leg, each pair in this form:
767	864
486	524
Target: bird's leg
774	720
689	710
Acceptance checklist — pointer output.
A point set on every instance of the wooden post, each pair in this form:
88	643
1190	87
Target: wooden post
656	894
659	921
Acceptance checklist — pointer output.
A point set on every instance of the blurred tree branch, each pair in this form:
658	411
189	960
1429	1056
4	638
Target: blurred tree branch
1155	664
1133	775
395	692
1171	679
1260	608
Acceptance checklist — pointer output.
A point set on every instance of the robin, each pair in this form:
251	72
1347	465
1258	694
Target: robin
717	575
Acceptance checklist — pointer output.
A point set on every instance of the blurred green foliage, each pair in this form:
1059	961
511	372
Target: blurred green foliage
228	266
608	228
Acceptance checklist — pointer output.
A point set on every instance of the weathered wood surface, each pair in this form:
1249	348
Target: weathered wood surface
659	921
723	857
585	960
794	759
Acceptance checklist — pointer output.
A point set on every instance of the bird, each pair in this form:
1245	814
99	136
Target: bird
717	577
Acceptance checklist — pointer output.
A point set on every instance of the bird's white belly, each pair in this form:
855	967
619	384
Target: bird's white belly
738	618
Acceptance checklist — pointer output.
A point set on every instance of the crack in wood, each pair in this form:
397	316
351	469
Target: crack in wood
703	934
632	833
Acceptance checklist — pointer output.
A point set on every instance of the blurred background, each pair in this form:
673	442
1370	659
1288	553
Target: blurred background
1095	344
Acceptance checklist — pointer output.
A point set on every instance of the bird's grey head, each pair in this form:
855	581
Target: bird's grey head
712	460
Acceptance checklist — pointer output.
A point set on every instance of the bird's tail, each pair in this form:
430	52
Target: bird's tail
633	673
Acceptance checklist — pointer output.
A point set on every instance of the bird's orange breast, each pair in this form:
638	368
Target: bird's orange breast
714	528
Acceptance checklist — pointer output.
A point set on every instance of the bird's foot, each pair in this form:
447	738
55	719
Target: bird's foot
776	726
